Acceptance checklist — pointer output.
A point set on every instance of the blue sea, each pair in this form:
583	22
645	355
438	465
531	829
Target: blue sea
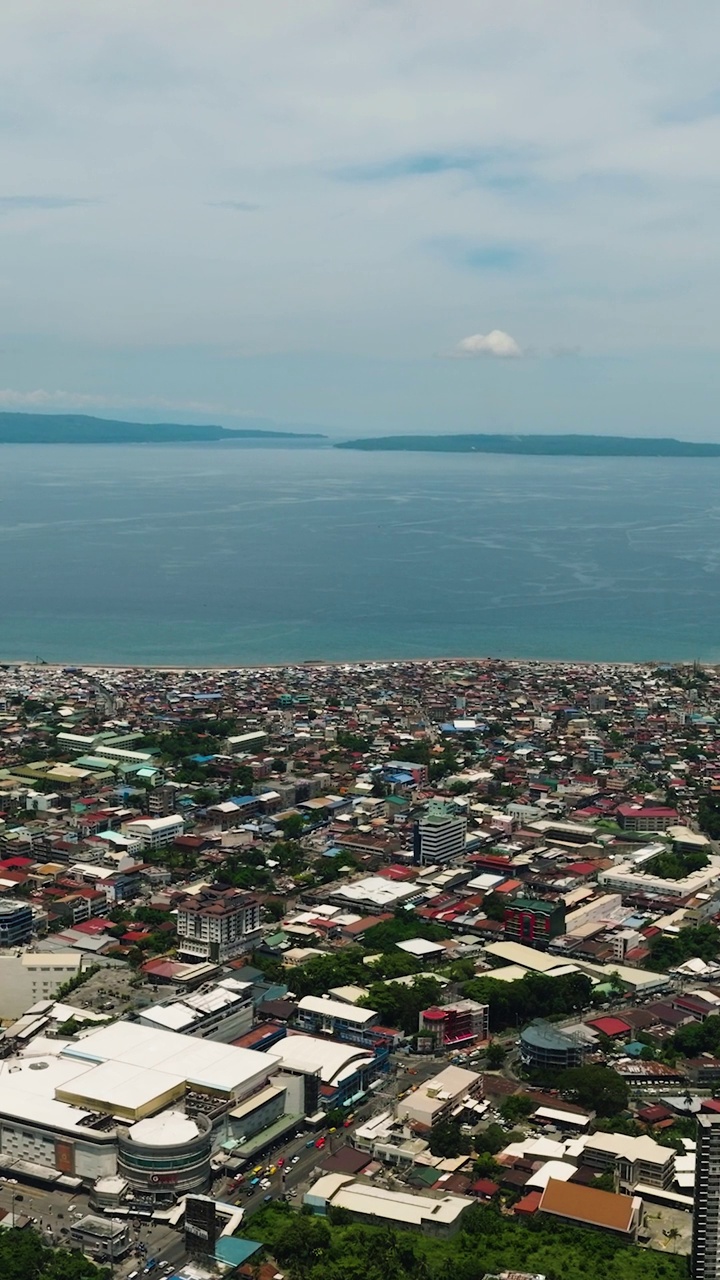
229	554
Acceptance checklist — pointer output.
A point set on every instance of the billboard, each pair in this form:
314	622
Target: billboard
200	1225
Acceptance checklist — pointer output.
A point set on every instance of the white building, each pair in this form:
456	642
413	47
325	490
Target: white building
439	835
441	1096
27	977
222	1011
155	833
69	1106
437	1215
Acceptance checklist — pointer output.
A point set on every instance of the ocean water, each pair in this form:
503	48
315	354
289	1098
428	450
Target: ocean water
230	554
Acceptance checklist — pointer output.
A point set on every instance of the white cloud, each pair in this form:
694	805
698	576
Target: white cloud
495	343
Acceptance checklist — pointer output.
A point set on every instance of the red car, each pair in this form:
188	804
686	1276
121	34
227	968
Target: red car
320	1143
280	1163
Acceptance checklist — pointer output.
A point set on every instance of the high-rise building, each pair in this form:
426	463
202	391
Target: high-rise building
217	925
706	1223
439	835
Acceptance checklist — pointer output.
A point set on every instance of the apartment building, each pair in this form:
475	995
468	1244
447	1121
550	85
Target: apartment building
636	1161
217	925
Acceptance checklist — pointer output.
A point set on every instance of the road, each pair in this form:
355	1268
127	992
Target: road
298	1176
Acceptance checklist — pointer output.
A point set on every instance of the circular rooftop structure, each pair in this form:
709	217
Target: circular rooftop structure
169	1129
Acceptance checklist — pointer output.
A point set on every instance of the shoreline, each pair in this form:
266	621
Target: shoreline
310	664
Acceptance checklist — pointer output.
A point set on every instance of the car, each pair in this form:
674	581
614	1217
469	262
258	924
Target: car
254	1182
272	1168
258	1168
347	1123
295	1160
310	1142
332	1130
280	1162
320	1143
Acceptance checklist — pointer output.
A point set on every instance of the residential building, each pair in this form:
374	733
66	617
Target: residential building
217	924
636	1161
705	1264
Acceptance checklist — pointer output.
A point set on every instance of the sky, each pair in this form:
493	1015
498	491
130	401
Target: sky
372	216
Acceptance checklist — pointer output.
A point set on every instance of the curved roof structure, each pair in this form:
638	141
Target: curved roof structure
333	1061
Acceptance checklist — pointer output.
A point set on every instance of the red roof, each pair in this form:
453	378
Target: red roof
639	811
710	1104
509	886
484	1187
582	868
610	1026
529	1203
92	927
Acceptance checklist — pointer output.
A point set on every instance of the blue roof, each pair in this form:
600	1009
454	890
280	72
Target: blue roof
243	799
234	1251
634	1048
201	759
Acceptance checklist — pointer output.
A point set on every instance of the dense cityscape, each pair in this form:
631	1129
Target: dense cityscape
318	968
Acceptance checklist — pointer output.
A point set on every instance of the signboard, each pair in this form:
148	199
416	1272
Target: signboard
200	1225
64	1156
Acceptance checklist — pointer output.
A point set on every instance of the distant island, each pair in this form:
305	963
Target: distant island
539	446
79	428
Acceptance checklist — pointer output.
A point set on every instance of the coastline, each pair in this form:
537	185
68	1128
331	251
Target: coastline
322	663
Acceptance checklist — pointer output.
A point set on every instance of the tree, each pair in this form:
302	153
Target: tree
517	1107
486	1167
447	1139
490	1140
599	1088
494	906
496	1054
293	826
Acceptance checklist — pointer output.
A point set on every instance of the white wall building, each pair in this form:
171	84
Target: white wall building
29	976
155	833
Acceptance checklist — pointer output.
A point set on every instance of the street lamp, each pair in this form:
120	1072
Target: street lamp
14	1198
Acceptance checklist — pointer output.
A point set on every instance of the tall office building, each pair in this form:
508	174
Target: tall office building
439	835
16	922
706	1225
